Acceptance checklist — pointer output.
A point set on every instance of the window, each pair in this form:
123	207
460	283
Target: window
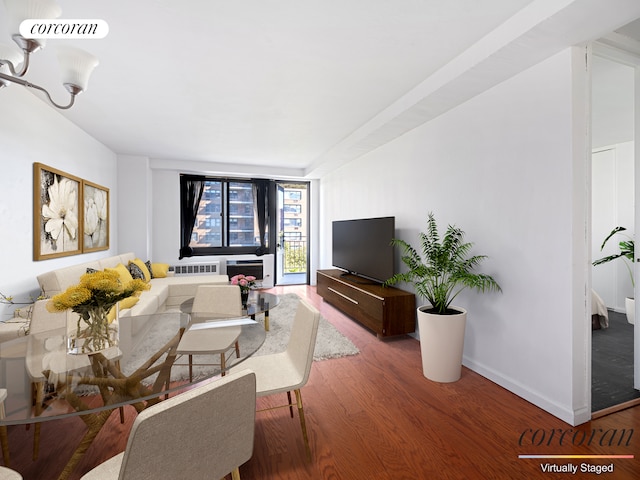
226	219
292	195
292	208
292	222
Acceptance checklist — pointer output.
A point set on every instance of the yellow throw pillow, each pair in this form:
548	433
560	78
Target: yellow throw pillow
123	273
143	267
160	269
124	303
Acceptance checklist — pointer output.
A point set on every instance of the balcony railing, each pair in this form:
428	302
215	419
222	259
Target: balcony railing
295	256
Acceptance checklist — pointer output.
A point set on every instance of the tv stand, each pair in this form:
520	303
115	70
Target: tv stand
385	310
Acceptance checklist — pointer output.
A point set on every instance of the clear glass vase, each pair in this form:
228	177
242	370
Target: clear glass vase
95	332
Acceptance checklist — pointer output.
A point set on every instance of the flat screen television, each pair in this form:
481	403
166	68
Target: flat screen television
363	247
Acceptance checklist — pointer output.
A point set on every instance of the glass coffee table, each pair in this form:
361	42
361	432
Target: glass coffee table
258	302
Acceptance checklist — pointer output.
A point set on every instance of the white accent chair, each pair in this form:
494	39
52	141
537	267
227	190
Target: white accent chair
212	302
289	370
203	433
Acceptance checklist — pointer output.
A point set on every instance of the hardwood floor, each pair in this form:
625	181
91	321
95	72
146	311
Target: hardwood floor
374	416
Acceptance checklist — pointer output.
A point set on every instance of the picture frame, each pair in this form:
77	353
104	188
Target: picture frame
95	210
57	216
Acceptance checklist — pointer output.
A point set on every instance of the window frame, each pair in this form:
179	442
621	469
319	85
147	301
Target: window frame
224	218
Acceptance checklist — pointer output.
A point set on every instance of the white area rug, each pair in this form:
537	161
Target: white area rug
330	343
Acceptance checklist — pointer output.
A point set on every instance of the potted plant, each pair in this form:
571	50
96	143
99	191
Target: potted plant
626	253
445	271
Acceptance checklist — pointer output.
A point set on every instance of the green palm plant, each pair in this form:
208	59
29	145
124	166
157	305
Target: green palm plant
447	268
626	251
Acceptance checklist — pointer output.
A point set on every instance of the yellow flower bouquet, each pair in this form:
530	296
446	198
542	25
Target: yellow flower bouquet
92	299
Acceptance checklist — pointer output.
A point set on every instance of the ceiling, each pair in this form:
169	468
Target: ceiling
296	86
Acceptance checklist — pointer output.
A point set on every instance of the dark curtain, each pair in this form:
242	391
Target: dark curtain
190	194
261	207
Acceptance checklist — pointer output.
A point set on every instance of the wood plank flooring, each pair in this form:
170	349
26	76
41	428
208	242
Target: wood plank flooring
374	416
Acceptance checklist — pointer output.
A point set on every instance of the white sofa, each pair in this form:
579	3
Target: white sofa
167	292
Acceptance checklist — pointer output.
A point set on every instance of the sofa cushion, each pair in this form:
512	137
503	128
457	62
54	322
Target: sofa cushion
57	281
109	262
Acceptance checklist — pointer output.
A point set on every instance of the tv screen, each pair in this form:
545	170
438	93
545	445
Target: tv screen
363	247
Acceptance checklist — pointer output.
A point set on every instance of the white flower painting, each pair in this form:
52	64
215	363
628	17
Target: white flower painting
56	214
96	217
70	215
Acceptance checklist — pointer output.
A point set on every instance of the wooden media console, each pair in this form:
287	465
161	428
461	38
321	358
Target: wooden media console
385	310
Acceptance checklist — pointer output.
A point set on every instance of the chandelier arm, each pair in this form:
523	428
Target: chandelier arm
25	83
12	67
25	65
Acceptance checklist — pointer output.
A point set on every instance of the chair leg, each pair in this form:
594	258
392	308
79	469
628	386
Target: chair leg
4	438
191	368
303	423
39	390
223	364
235	474
290	404
237	350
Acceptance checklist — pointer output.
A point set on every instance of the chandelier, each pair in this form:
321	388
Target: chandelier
76	65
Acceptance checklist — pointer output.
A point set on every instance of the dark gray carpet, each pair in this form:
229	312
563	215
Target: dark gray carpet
612	364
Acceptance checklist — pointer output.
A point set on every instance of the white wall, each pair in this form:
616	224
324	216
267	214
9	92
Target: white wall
135	209
501	167
31	131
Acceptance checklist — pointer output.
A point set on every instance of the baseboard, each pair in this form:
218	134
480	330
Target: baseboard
567	415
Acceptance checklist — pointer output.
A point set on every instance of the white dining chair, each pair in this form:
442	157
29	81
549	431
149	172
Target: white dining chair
211	303
203	433
289	370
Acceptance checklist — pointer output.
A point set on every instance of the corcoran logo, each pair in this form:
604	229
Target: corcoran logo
564	437
79	28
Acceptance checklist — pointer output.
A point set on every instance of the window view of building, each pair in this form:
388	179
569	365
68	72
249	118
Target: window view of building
226	216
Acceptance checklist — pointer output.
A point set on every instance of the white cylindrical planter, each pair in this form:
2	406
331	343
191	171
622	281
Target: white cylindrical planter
441	344
630	307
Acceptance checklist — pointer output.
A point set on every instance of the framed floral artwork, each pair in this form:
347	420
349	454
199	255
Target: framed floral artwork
57	227
95	210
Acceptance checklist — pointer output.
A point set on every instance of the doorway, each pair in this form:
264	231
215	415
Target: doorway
292	248
614	161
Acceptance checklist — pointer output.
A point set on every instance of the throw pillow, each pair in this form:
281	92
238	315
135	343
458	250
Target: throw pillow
148	264
122	304
135	271
123	273
160	269
143	268
91	270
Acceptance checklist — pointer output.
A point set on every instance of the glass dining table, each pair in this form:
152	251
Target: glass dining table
258	302
44	382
